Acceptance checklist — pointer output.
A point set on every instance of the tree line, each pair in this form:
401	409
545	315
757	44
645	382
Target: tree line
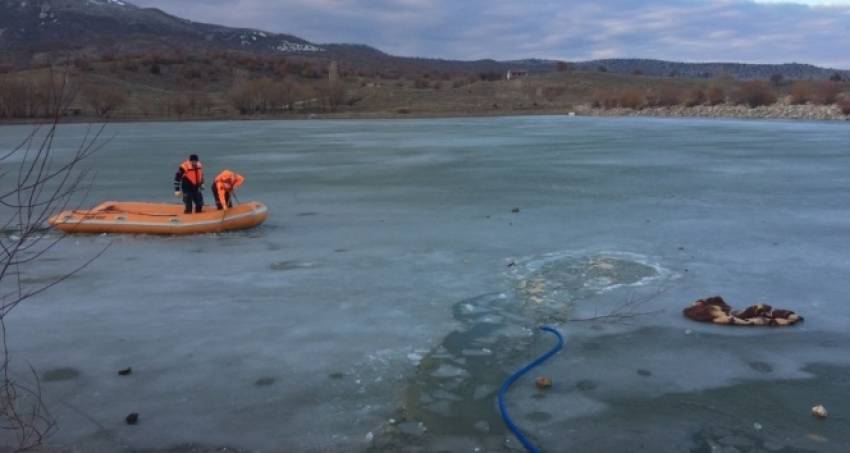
753	93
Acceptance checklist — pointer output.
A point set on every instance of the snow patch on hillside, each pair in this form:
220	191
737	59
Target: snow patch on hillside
289	46
107	2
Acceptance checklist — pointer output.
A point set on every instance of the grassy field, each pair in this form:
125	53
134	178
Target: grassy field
225	86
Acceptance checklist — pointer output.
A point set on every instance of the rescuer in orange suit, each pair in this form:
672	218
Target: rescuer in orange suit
225	183
189	184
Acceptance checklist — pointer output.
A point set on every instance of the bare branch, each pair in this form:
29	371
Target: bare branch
626	311
42	186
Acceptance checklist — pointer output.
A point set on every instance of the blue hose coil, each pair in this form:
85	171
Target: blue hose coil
513	378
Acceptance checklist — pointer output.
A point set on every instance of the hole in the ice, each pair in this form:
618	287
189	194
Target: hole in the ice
265	381
761	367
586	385
290	265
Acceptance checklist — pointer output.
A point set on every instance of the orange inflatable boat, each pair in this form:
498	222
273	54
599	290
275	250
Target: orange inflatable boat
158	218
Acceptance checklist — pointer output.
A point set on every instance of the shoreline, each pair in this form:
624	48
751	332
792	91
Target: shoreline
777	111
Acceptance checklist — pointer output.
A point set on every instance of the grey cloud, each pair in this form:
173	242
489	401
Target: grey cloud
687	30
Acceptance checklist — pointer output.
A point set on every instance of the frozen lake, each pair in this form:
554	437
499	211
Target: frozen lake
393	288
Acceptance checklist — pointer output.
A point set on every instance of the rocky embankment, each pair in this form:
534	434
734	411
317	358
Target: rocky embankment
781	110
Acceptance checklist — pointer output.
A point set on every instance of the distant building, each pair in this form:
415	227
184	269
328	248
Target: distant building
516	74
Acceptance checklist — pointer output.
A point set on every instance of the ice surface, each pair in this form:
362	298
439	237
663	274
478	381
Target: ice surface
387	283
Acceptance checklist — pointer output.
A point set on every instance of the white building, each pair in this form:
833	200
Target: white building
516	74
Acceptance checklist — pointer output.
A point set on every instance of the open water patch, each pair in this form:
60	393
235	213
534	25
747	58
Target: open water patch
452	393
550	286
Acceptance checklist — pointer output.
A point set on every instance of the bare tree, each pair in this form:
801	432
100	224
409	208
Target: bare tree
754	93
37	184
844	105
34	96
695	97
667	96
201	103
715	94
801	91
826	92
181	104
262	95
334	94
632	98
104	100
563	66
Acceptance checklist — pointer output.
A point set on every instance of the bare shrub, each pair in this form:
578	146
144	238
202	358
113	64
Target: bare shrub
667	96
491	76
695	97
35	96
105	100
241	99
38	185
563	66
13	98
310	72
801	91
715	95
192	72
83	64
822	92
333	94
552	93
130	65
826	92
200	103
754	93
262	95
632	99
844	105
605	100
282	69
181	105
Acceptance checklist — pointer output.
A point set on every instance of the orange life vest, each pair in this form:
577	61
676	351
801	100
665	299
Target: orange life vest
227	180
193	171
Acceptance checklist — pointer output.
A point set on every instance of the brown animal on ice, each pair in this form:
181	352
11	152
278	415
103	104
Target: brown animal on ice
717	311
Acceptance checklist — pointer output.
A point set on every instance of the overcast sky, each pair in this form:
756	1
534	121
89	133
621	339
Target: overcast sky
768	31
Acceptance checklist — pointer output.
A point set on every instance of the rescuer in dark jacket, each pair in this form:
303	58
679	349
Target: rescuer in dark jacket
188	184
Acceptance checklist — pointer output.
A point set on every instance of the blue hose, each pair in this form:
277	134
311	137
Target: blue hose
513	378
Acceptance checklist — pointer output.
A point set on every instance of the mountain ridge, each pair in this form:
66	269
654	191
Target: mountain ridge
30	27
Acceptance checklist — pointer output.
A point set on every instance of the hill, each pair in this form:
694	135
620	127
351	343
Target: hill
659	68
39	31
